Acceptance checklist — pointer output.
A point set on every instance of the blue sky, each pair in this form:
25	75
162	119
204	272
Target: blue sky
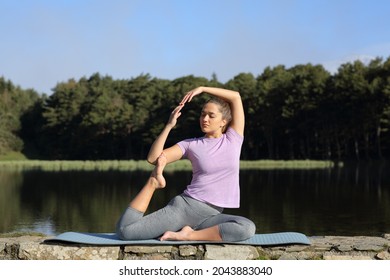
44	42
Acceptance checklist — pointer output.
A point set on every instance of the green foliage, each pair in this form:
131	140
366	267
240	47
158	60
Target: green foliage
14	102
302	112
11	156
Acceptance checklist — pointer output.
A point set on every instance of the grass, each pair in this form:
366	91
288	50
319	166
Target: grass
287	164
74	165
130	165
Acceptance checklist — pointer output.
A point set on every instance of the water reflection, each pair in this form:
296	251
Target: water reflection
354	200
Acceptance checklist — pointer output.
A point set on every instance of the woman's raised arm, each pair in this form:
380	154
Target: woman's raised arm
173	153
232	97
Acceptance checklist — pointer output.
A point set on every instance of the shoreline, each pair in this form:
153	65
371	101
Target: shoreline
143	165
30	247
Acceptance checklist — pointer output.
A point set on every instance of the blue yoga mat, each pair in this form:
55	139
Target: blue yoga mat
104	239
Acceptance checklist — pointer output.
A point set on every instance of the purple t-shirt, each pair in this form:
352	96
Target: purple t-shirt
215	168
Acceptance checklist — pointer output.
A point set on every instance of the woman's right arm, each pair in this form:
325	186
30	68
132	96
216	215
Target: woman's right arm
173	153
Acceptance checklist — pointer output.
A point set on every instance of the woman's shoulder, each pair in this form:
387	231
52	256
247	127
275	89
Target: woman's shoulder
231	132
187	142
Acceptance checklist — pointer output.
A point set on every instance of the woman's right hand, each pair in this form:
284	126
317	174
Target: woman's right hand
174	116
192	93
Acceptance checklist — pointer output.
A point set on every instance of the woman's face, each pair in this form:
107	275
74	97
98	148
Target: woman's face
211	121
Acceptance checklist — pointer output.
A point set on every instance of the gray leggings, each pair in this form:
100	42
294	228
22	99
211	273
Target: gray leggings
183	211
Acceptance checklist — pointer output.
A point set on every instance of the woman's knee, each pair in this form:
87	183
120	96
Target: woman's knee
248	229
251	228
119	231
238	230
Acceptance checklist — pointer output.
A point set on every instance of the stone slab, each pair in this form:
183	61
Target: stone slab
230	252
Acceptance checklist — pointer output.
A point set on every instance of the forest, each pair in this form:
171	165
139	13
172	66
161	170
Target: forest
301	112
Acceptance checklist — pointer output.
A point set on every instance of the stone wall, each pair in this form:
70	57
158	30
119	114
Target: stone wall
321	248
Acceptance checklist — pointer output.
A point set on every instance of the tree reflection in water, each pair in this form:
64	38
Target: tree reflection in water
353	200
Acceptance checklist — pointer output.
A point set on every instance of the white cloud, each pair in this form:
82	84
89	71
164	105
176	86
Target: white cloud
332	66
365	55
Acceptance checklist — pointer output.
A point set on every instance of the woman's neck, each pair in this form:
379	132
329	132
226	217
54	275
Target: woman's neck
214	135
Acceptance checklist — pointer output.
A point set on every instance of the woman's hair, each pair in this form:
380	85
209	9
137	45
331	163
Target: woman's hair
224	107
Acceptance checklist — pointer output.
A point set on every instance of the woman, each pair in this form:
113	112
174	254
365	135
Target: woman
197	213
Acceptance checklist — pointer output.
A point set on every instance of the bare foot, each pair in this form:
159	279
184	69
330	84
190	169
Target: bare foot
157	173
182	235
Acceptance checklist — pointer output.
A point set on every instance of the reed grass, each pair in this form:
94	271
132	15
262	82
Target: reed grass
288	164
131	165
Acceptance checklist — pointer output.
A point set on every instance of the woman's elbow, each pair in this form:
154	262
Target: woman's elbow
151	160
236	95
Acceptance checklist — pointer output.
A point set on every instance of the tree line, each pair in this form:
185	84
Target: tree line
302	112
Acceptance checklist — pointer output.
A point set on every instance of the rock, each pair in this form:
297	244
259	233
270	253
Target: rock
230	252
369	247
296	248
385	255
309	255
344	256
287	257
34	251
146	257
344	248
187	250
136	252
325	247
320	243
148	249
2	248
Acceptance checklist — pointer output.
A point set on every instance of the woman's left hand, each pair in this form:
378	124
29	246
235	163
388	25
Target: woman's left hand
174	116
188	97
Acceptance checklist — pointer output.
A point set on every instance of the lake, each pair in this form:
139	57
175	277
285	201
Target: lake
349	200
